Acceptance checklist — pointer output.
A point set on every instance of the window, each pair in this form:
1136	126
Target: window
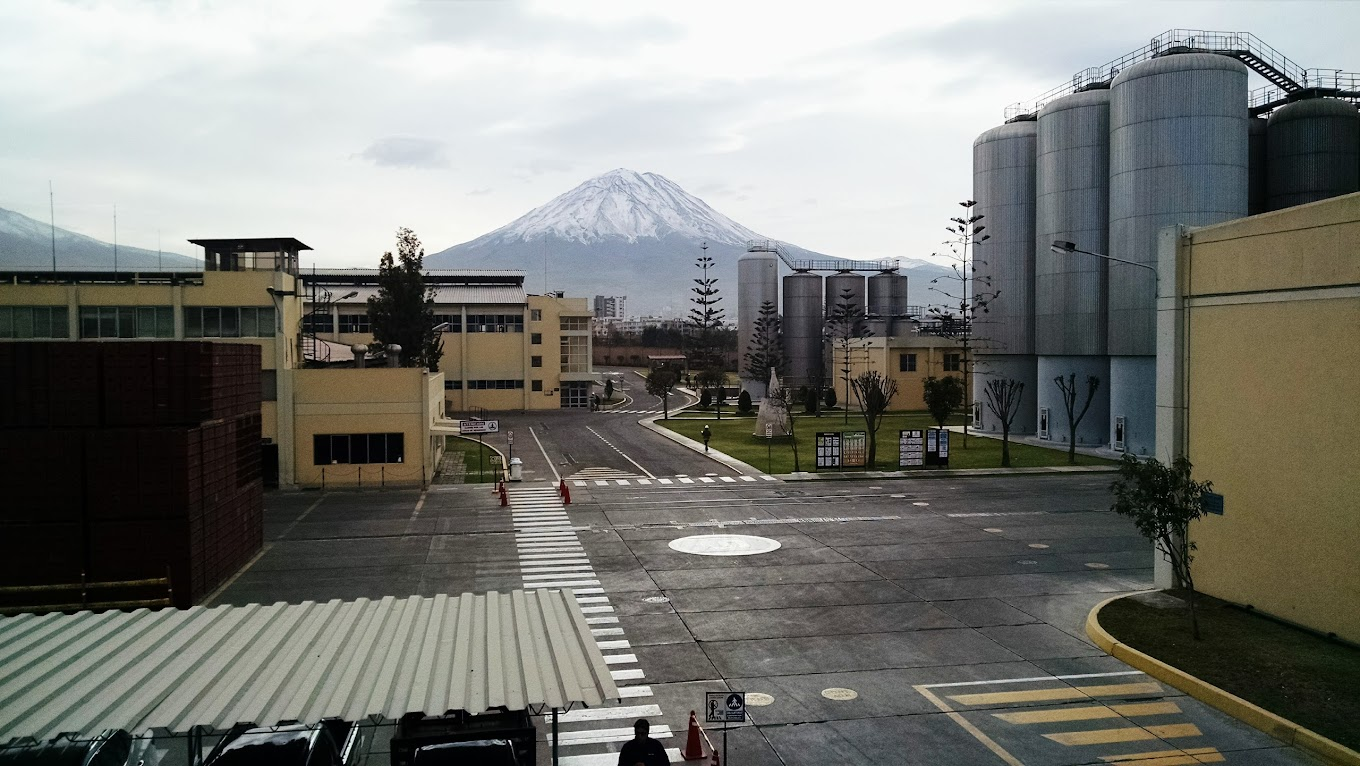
321	322
453	385
232	322
495	385
33	322
127	322
351	449
535	315
535	361
355	323
536	385
575	353
495	323
952	362
906	363
536	338
575	323
454	322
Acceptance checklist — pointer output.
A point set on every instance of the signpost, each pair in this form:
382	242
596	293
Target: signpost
724	707
828	449
479	427
769	447
911	448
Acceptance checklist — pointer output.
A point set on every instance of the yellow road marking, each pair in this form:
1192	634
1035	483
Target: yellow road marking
1089	713
967	726
1047	695
1108	736
1187	757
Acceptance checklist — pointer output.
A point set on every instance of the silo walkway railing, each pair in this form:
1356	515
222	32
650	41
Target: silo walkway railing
1283	74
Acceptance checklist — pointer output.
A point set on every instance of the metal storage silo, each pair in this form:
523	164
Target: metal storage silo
1258	192
1313	152
1178	155
882	289
757	282
836	286
1003	185
802	327
1072	185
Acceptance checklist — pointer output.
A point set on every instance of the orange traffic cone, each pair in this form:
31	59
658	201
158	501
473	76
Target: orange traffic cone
693	750
564	492
505	500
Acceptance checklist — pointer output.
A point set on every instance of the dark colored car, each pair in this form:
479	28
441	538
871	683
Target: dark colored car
108	748
332	743
496	737
481	752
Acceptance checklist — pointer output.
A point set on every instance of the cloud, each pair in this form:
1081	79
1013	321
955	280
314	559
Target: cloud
406	152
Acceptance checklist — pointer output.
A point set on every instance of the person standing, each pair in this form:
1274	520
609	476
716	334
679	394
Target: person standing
642	750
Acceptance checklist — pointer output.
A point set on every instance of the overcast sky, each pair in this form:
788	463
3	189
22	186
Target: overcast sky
842	127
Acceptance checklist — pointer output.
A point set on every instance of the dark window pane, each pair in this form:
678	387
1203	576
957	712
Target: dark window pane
6	322
396	448
377	448
231	323
267	321
249	323
60	328
193	322
340	448
212	322
146	322
23	322
358	449
108	323
127	322
321	450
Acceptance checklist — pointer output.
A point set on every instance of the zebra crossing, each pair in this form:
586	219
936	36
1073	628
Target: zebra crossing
608	477
551	556
631	412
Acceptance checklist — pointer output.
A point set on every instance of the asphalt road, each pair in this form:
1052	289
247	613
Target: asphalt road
915	621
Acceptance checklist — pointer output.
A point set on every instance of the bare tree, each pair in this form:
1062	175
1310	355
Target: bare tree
1162	501
784	399
875	393
1003	399
1068	387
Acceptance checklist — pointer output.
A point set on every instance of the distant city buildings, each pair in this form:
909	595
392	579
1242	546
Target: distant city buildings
611	306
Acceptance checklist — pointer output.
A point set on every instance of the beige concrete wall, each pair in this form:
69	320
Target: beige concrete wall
1271	376
882	355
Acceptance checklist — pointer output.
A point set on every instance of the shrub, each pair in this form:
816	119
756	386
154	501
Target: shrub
744	403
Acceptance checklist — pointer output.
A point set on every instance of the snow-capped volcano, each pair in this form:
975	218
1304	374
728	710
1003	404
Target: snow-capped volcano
627	205
27	244
628	233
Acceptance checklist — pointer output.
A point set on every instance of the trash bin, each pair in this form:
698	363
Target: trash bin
516	469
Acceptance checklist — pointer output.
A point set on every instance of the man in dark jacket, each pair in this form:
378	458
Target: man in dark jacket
642	750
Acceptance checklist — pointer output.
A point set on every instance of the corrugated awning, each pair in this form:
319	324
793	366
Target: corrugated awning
214	667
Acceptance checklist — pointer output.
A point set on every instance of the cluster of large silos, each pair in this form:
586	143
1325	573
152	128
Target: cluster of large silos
1170	141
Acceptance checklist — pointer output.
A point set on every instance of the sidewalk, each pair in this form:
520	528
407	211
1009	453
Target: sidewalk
1034	441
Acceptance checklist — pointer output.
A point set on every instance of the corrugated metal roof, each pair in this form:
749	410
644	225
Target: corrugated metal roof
214	667
444	294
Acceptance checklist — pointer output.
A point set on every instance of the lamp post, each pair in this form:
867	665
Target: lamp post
1067	248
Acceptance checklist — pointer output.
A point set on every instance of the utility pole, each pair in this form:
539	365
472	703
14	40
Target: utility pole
115	241
52	212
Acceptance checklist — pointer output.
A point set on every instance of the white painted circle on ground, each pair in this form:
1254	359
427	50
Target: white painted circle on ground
724	545
992	529
1097	565
758	699
1040	546
839	694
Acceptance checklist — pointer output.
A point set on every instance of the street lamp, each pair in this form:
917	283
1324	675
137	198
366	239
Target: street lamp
1067	248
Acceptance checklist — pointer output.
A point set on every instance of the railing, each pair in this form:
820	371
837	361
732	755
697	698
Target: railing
379	476
1270	63
1333	83
38	599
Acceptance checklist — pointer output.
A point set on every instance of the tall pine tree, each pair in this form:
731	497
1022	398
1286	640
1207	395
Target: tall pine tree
705	319
402	312
766	350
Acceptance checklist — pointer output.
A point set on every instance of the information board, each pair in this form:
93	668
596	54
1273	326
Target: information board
937	448
911	448
854	449
828	449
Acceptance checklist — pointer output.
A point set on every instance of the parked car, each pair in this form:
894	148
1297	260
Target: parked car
107	748
480	752
497	737
332	743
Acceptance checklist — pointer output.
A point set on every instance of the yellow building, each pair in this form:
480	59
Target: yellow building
906	357
503	349
1258	359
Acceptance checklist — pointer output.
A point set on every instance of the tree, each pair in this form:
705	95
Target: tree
710	381
1162	501
744	402
608	389
659	385
846	328
1068	388
970	295
943	397
874	393
766	351
705	399
1003	399
705	319
830	399
402	311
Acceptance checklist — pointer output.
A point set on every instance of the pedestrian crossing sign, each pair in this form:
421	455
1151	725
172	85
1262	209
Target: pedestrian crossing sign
724	707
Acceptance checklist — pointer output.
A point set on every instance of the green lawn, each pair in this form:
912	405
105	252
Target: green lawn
490	470
733	436
1304	677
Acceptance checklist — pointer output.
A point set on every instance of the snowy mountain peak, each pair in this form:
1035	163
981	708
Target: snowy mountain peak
623	205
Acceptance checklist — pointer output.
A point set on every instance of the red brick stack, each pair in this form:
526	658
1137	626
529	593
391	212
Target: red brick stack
121	459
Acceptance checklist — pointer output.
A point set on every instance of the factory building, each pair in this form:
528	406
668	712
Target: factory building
503	350
1168	135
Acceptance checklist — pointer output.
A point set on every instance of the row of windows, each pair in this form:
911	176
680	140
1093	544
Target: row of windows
228	322
575	323
358	449
907	362
495	323
33	322
575	351
127	322
484	385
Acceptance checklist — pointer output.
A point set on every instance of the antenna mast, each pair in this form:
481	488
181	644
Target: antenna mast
52	212
115	240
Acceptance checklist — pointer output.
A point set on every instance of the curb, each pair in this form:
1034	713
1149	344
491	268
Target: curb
718	457
944	473
1257	717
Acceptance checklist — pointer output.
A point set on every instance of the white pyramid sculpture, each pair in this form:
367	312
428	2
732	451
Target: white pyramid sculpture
771	411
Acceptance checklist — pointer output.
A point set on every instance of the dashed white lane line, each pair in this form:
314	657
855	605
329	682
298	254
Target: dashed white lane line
631	674
748	478
665	481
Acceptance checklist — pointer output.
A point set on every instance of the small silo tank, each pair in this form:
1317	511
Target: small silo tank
881	291
1313	152
757	283
845	286
901	298
1258	191
802	327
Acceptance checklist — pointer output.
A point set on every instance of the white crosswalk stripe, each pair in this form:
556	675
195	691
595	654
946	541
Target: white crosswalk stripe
588	478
